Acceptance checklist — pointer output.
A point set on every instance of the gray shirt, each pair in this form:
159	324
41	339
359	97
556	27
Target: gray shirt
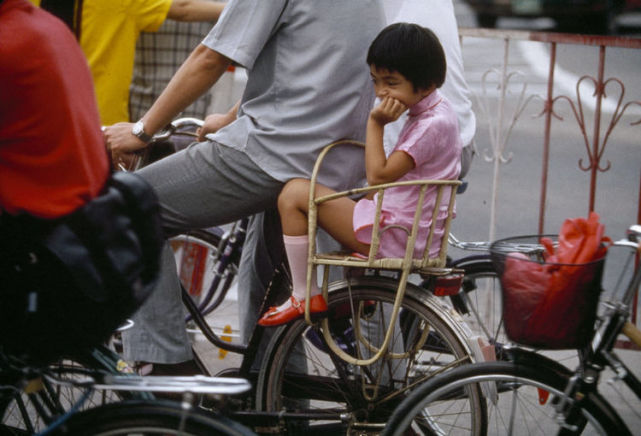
308	82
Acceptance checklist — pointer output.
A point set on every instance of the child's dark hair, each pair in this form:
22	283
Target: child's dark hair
411	50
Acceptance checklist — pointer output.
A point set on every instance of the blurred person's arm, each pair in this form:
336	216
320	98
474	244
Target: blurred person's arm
195	10
197	74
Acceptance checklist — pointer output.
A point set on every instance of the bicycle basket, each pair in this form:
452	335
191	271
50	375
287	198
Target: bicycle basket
546	305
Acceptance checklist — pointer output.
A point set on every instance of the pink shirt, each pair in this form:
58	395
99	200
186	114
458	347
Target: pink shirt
431	138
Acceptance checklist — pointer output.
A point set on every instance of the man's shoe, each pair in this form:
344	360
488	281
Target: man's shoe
279	315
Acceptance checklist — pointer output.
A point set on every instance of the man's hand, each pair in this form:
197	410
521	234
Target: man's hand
121	143
388	110
213	123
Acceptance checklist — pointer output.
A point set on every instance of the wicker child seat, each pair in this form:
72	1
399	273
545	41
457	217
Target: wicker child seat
426	265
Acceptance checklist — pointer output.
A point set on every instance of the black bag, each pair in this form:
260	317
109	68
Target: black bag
67	284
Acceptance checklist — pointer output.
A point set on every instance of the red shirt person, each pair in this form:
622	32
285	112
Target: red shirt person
78	249
52	155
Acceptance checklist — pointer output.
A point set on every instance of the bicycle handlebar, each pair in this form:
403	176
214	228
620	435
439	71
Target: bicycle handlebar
175	125
470	246
633	238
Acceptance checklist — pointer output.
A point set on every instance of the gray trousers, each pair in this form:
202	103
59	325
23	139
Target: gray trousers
205	185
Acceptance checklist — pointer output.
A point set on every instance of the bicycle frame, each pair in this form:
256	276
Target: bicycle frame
230	246
617	321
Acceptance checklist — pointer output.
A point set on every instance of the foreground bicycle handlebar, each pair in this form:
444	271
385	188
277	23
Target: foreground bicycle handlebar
173	127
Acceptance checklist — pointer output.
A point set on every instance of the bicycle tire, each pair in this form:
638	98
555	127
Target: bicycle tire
530	387
150	418
479	301
329	391
196	253
480	305
23	412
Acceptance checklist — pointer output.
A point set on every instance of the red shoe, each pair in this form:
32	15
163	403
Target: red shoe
276	315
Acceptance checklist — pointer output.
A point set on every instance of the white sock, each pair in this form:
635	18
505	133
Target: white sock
296	248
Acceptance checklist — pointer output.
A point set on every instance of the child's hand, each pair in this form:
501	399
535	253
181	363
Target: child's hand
387	111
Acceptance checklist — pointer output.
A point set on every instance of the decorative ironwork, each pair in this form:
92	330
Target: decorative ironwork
501	123
500	131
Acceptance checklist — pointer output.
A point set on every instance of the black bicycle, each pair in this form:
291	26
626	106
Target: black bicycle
530	393
30	402
299	382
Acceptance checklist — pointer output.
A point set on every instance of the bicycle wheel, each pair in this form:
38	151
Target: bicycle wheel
303	380
203	272
32	410
149	418
518	398
480	305
479	302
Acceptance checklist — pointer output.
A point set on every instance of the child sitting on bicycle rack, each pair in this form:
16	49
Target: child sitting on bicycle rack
407	65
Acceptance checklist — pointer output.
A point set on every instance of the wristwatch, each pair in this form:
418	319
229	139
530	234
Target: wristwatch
138	131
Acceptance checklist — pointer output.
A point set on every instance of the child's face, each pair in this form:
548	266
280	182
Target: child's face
394	84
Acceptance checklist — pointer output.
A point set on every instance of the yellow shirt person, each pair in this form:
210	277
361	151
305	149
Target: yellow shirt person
108	33
108	38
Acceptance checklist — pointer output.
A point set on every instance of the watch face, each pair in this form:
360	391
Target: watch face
137	129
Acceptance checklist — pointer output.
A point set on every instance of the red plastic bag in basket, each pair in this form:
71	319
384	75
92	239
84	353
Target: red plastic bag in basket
552	300
581	240
524	283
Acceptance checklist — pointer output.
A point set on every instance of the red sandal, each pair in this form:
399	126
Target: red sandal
276	315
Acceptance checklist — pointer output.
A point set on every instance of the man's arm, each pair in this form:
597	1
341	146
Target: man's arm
195	10
196	75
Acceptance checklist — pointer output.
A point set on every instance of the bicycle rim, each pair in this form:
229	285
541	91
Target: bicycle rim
150	418
518	399
480	306
197	254
481	299
302	378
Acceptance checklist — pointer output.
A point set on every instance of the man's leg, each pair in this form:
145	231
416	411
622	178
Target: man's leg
263	251
205	185
159	333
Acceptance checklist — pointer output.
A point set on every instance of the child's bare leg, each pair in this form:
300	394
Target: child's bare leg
293	206
293	209
334	216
